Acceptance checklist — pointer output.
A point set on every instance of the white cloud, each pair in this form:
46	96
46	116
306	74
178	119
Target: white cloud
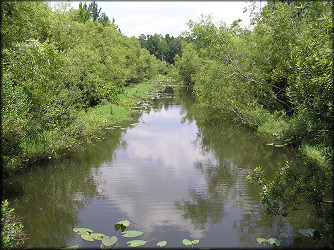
150	17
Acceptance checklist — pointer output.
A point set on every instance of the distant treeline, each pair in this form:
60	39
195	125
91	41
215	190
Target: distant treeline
164	48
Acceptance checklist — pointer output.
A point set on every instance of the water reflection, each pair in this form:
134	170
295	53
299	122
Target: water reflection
154	170
52	199
51	196
172	175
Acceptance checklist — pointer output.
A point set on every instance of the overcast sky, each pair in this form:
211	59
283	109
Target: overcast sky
164	17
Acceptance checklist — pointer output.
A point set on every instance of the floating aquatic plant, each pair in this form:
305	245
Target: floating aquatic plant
132	233
189	243
307	232
109	241
162	243
122	225
136	243
271	241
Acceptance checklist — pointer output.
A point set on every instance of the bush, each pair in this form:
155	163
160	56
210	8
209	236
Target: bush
12	234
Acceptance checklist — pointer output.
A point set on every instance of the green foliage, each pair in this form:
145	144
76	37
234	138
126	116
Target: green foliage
276	78
12	234
187	242
271	241
306	232
188	65
108	241
91	11
80	230
24	20
162	243
132	233
54	67
164	48
136	243
122	225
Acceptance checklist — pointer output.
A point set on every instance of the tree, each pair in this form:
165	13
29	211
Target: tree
104	19
94	11
54	66
164	48
83	13
280	72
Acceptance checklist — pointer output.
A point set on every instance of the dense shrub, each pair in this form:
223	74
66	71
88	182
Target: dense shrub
56	64
12	234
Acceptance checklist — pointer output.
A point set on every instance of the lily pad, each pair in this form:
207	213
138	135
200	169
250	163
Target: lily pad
87	237
273	241
98	236
136	243
307	232
81	230
195	242
261	240
109	241
162	243
132	233
286	235
122	225
72	247
186	242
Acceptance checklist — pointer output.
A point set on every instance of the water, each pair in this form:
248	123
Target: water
170	174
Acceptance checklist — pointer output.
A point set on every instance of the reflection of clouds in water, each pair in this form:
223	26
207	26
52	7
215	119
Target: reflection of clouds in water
165	140
155	170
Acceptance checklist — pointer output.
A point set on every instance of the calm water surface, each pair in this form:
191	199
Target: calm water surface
171	175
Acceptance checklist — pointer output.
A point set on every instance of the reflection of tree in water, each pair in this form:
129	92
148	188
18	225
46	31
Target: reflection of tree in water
231	153
52	195
200	209
186	98
51	199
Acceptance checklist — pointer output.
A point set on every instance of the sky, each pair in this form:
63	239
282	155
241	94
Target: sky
169	17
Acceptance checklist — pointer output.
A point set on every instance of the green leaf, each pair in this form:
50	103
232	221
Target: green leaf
72	247
98	236
109	241
307	232
87	237
81	230
195	242
136	243
273	241
132	233
286	235
122	225
162	243
261	240
186	242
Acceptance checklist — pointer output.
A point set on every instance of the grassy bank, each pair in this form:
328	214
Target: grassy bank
88	126
285	132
